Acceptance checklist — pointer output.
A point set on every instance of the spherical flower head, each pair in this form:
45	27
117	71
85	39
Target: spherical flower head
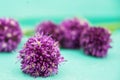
48	28
71	30
10	34
40	56
95	41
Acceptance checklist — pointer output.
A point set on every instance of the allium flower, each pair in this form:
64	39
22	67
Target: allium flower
95	41
71	30
10	34
48	28
40	56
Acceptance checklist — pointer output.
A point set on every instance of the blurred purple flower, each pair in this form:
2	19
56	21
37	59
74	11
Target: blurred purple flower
71	30
10	34
95	41
49	28
40	56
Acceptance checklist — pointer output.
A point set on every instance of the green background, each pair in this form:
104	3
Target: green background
79	66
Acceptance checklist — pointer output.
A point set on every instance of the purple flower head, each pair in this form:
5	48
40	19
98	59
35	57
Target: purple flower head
95	41
40	56
48	28
10	34
71	30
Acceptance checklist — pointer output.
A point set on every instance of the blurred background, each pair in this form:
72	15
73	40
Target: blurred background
31	12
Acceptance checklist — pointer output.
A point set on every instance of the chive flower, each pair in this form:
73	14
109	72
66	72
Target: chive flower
49	28
71	30
10	34
40	56
95	41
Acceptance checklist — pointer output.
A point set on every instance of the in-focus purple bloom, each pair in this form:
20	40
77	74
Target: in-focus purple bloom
95	41
40	56
49	28
10	34
71	30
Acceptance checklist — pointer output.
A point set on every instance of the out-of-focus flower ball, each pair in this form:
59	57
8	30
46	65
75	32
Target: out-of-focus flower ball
71	30
10	34
49	28
95	41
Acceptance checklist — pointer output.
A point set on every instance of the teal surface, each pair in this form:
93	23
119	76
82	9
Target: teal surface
77	67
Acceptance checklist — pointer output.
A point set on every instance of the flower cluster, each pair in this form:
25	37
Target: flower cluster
71	34
40	56
95	41
71	30
10	34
